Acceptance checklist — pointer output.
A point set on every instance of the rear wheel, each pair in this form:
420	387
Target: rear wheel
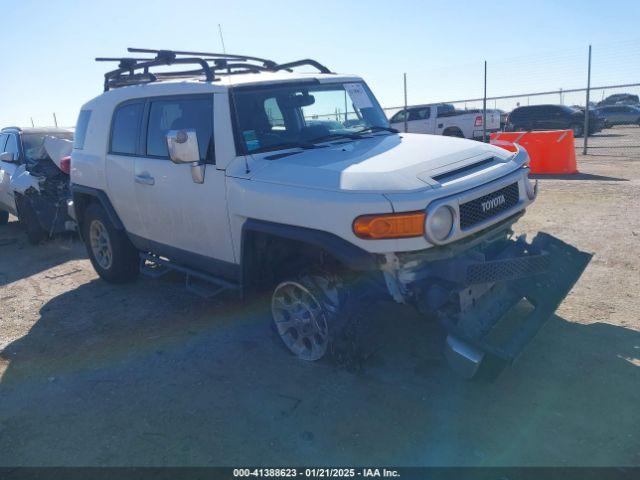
4	217
111	253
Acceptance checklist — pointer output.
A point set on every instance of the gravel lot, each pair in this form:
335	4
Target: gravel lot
148	374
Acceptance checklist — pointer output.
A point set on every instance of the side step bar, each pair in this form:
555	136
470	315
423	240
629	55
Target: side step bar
202	284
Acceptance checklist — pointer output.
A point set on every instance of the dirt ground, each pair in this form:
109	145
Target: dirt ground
148	374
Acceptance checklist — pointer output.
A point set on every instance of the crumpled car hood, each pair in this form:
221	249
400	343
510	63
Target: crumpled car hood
384	163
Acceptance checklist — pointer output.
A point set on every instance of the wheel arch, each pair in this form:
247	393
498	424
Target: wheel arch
258	236
453	132
83	196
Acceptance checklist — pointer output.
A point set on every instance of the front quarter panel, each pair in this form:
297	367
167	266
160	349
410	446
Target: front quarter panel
327	211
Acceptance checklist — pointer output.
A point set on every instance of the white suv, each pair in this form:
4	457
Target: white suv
247	174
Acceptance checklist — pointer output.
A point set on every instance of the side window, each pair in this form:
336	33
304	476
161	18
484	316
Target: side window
3	141
12	145
177	114
81	129
419	113
399	117
125	129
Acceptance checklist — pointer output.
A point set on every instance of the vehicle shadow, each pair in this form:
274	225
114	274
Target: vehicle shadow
19	259
576	176
147	374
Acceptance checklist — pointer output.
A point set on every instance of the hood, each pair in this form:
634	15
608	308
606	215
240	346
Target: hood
383	163
57	148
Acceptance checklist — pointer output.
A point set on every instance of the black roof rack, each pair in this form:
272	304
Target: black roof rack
136	70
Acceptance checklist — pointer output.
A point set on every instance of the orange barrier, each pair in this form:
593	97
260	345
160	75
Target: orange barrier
550	151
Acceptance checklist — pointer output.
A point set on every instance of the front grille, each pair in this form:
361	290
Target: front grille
487	206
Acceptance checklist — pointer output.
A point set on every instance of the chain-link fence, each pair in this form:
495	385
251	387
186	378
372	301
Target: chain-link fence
611	73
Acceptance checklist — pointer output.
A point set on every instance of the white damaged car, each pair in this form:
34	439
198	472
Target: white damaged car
34	179
246	174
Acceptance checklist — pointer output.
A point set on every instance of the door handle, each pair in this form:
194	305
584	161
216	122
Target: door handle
145	179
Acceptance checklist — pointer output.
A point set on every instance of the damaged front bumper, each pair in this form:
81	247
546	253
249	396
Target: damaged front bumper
491	294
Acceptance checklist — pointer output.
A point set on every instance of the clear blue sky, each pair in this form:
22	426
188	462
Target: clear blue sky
48	48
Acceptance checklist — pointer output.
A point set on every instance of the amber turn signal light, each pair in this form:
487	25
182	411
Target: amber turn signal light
390	225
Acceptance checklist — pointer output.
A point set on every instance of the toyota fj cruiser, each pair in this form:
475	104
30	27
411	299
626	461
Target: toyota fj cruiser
244	173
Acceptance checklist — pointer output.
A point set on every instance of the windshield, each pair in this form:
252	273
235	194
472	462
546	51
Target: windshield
33	144
272	118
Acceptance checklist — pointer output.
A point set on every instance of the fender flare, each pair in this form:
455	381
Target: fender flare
348	254
80	190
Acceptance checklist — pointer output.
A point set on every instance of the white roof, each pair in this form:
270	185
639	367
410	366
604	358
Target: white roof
222	83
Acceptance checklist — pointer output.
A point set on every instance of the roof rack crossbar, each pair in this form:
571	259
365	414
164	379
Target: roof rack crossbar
203	54
210	64
129	65
288	66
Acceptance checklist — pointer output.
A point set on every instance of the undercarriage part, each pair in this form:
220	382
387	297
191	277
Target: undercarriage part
463	358
503	319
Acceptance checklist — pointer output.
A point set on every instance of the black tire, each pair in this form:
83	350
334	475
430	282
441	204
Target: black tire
116	259
4	217
29	221
453	132
578	130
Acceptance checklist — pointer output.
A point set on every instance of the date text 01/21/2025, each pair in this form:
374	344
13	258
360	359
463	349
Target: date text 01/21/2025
315	473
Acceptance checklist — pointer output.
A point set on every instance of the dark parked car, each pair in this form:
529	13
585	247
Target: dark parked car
620	99
553	117
620	115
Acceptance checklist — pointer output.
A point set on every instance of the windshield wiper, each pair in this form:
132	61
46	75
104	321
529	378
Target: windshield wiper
283	146
376	128
334	136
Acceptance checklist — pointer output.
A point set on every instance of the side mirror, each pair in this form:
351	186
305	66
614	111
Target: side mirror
183	146
8	157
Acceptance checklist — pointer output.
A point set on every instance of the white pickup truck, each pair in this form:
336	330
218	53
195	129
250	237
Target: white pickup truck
444	119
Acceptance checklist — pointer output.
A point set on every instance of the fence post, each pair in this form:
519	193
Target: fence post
585	133
405	102
484	106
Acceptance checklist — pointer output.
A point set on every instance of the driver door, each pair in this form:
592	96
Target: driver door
182	219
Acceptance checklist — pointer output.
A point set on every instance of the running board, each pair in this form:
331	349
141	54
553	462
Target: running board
202	284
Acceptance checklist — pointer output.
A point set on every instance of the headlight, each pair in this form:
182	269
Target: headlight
441	223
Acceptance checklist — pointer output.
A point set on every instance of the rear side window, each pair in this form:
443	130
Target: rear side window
399	117
180	114
419	113
81	129
125	129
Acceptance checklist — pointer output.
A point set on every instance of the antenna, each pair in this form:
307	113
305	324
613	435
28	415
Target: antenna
224	50
55	120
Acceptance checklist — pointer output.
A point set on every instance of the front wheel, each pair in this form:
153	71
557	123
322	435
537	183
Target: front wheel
29	220
111	253
304	311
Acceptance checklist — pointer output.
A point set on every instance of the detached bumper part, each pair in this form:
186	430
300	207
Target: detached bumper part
497	304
